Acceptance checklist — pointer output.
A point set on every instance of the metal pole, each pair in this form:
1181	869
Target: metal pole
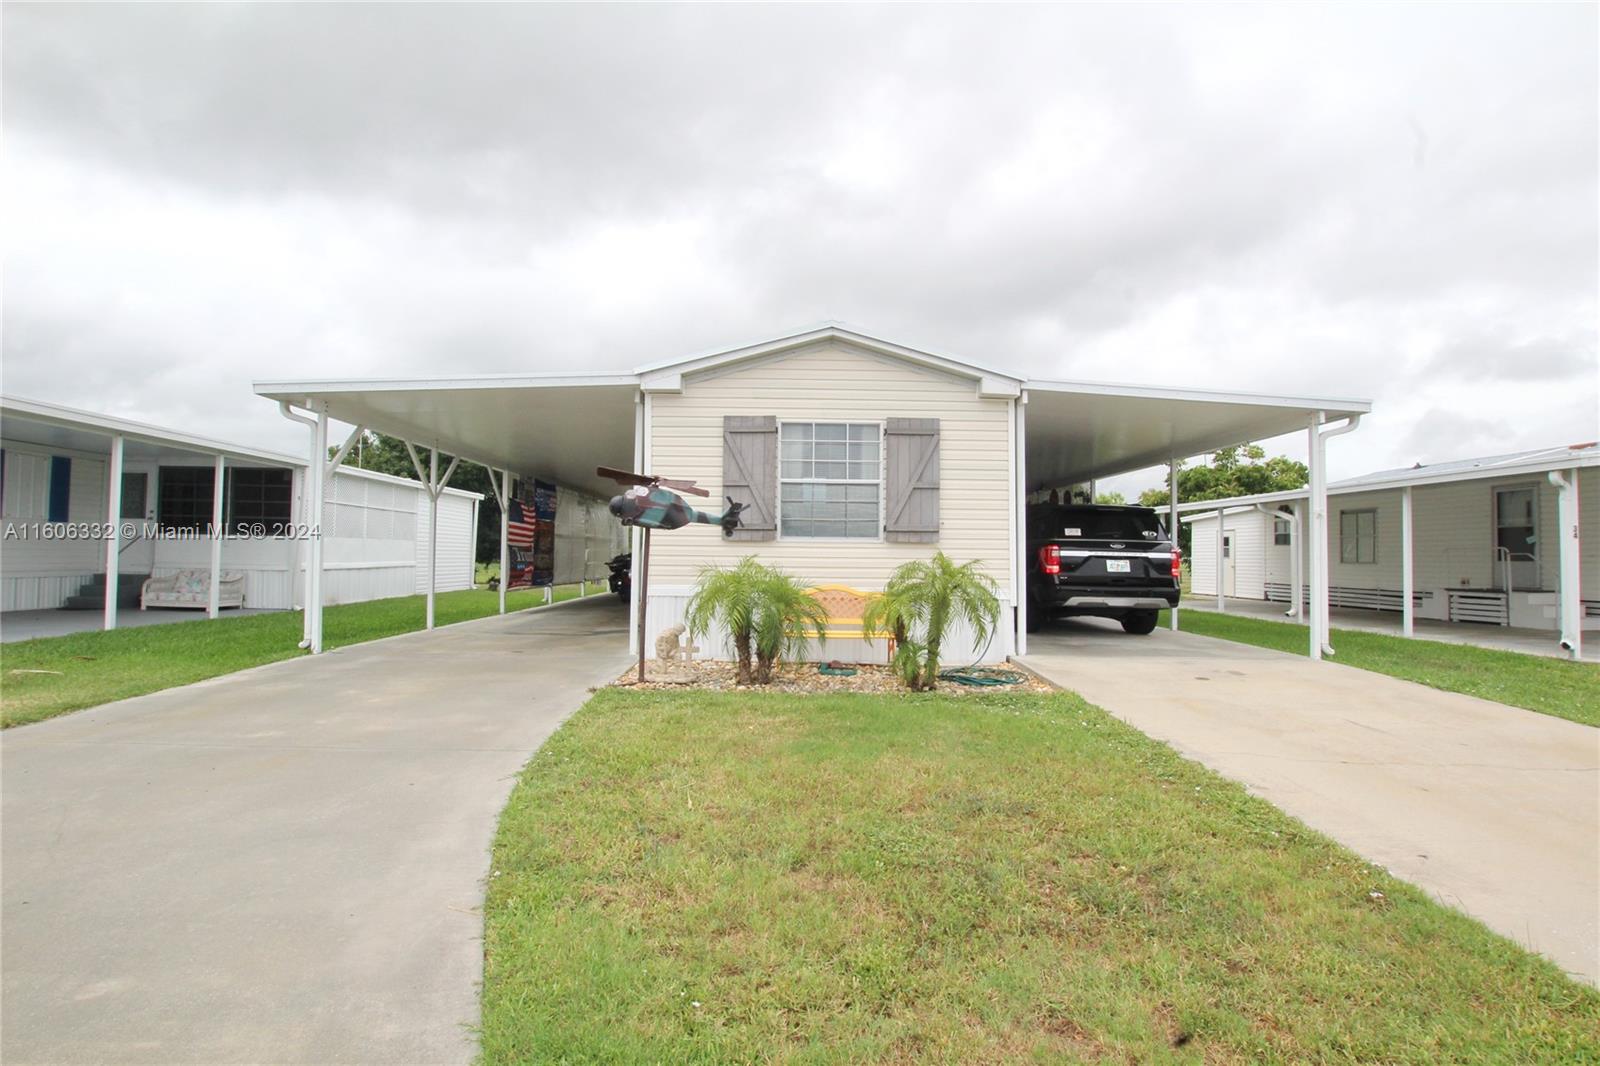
319	466
644	601
214	595
114	521
505	535
1019	572
1297	549
1318	506
1408	583
1172	528
1220	605
1570	536
433	526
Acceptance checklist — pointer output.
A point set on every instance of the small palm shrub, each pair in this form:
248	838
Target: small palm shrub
786	618
922	600
726	597
767	614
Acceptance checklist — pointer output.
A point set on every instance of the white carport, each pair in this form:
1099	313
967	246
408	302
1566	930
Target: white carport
560	426
563	425
1079	431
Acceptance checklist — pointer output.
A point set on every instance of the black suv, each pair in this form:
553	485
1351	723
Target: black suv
1108	562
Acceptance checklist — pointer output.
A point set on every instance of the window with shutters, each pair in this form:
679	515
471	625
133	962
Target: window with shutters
830	479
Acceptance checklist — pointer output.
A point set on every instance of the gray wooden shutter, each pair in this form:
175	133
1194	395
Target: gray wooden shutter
750	473
911	486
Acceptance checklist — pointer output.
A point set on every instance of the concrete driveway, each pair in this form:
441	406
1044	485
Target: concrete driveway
1494	810
284	865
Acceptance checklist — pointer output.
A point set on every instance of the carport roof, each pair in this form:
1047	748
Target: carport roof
563	425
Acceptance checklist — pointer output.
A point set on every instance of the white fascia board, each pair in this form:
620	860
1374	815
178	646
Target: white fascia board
833	331
1331	405
1482	473
394	479
664	381
295	391
1004	388
74	418
1243	503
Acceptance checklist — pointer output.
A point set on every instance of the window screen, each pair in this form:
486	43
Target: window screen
1358	536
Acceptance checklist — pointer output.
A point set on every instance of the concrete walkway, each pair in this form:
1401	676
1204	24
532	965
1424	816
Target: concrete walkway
284	865
1494	810
30	625
1502	638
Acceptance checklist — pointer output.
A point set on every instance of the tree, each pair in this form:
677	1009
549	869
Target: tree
726	596
786	618
1243	470
1110	499
387	455
922	600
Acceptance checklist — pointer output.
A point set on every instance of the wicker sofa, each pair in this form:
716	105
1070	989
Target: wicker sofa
192	589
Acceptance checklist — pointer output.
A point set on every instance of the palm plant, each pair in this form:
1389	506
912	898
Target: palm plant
922	600
786	618
727	597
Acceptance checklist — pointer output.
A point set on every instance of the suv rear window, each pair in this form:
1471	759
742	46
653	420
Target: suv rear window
1096	523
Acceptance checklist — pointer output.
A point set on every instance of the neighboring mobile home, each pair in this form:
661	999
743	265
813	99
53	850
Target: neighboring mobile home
54	488
1485	540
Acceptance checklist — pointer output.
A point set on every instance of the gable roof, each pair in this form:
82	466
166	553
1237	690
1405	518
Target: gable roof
668	376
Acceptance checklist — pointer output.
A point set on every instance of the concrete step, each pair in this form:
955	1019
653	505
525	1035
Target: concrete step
91	595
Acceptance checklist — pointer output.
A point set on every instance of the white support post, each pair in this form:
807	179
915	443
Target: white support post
114	523
1221	519
1570	535
1172	528
1408	581
1297	551
1317	504
214	594
433	527
1019	578
504	496
318	471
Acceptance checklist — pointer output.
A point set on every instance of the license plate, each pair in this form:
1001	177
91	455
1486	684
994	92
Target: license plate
1117	566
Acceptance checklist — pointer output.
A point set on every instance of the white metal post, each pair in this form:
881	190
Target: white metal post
1408	581
1172	527
1220	519
1569	532
214	595
1317	504
433	526
1297	549
318	467
1019	544
505	535
114	522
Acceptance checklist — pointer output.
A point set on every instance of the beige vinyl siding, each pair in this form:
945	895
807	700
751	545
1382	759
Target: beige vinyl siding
834	383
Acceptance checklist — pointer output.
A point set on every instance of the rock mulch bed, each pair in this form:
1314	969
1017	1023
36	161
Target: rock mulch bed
801	677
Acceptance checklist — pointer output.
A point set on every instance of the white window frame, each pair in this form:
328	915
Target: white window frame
1494	520
1287	533
883	458
1358	561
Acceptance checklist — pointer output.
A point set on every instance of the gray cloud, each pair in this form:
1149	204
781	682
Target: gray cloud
1387	202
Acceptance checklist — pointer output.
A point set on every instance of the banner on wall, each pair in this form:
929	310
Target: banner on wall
531	535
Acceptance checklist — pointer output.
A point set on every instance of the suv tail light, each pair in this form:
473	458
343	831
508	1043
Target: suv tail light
1177	564
1050	559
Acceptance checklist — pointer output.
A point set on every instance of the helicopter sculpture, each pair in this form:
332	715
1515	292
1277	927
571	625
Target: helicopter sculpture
650	503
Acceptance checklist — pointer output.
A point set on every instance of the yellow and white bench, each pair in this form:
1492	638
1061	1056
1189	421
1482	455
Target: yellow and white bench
846	609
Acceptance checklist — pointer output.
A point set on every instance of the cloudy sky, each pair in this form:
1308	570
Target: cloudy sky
1392	202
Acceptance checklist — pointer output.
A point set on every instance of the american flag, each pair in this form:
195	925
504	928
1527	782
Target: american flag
519	538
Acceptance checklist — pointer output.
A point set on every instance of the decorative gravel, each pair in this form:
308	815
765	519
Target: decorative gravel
800	677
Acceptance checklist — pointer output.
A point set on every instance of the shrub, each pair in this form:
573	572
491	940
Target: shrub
920	603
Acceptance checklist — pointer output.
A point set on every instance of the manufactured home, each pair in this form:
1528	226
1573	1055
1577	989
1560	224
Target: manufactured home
851	454
1478	540
54	492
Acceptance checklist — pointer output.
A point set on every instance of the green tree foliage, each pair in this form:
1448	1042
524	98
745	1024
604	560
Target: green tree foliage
387	455
1239	471
923	599
768	614
1110	499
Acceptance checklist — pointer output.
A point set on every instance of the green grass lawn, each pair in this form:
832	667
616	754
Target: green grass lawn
1552	686
726	877
88	669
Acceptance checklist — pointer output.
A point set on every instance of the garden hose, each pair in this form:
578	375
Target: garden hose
982	676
